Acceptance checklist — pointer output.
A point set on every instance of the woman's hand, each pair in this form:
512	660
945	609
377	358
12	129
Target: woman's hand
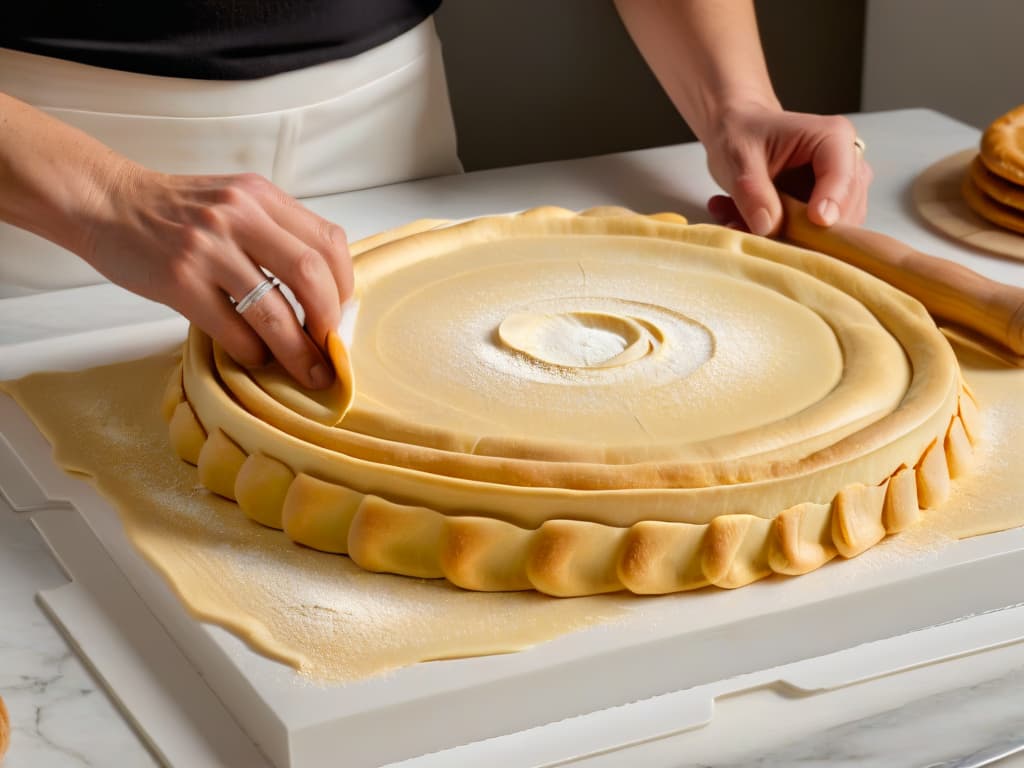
188	241
708	58
751	145
191	242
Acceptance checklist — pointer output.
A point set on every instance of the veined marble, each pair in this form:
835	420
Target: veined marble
931	732
60	716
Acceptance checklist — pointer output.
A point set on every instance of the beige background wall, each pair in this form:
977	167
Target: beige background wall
961	57
535	80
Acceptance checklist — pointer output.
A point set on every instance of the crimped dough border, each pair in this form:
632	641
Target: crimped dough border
568	557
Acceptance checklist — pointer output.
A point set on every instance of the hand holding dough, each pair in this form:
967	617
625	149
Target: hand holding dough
324	406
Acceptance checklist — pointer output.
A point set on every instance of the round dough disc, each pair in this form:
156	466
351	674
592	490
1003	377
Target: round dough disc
581	403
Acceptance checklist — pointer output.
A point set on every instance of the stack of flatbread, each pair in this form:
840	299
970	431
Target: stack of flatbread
994	184
5	730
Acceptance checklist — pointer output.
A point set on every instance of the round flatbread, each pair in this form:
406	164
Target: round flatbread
1002	146
996	187
5	730
990	209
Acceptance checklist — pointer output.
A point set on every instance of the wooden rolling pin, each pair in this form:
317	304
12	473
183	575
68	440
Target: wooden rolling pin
948	290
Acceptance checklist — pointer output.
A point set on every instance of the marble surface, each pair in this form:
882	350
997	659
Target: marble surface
928	731
933	730
61	717
59	714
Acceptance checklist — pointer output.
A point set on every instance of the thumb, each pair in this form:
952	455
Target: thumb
755	196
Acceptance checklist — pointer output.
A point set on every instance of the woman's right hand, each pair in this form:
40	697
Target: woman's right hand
191	242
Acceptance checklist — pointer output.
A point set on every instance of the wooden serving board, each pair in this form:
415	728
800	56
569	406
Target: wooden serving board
936	196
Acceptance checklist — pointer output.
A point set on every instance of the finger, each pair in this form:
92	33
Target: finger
724	211
856	207
273	320
867	175
859	208
834	162
302	268
211	310
754	194
322	235
721	208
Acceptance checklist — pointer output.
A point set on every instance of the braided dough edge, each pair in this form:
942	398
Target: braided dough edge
568	558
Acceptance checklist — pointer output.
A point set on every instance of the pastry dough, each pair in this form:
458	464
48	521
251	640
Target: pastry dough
336	622
326	406
590	403
318	613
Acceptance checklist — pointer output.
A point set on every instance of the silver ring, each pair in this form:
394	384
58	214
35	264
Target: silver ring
255	295
858	143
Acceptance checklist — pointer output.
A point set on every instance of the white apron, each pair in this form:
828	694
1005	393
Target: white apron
380	117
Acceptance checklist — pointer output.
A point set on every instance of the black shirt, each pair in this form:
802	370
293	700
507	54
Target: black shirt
206	39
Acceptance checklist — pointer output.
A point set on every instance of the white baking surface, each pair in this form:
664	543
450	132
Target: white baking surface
655	656
721	635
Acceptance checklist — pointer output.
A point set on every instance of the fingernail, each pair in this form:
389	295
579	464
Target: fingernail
320	376
733	225
761	222
828	211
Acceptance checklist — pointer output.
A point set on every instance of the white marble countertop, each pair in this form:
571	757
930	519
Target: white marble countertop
60	717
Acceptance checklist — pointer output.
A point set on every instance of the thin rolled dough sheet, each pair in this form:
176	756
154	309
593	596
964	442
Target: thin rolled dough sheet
991	498
316	612
330	619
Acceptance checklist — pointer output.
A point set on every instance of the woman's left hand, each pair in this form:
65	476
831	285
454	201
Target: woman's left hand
752	144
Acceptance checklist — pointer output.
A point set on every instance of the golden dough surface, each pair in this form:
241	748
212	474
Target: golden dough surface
316	612
534	392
